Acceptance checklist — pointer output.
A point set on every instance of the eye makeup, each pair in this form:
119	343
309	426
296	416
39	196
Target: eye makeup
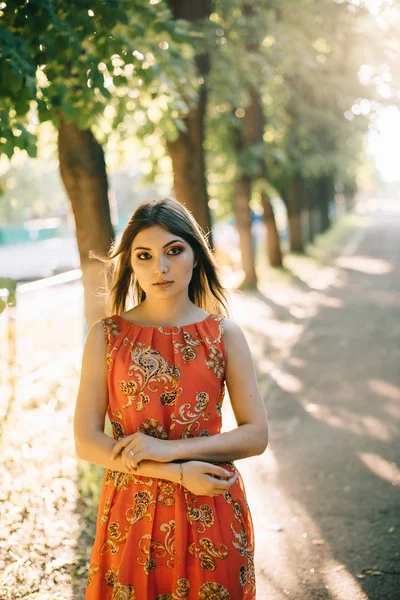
168	252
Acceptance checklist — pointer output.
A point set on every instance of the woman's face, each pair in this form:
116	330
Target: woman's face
162	261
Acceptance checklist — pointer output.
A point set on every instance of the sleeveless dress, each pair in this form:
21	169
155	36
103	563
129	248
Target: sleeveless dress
155	540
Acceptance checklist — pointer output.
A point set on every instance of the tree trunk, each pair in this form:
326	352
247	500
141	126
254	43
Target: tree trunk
311	203
188	166
254	130
83	173
296	242
291	198
186	152
252	126
273	241
241	204
325	194
349	192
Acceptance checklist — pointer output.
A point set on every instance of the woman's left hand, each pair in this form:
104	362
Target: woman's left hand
139	446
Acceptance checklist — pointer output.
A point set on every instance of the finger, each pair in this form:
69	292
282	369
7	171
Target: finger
225	486
125	463
118	447
136	458
129	464
219	471
130	456
233	480
129	449
222	483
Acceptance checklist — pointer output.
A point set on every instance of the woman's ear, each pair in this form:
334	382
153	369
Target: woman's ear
195	264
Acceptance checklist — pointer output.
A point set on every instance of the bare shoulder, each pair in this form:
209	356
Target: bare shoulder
96	341
96	332
234	336
230	326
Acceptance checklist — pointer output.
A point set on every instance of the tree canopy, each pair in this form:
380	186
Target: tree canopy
101	64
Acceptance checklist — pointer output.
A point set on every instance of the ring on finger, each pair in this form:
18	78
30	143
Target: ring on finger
132	452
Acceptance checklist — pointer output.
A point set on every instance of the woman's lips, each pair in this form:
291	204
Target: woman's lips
163	284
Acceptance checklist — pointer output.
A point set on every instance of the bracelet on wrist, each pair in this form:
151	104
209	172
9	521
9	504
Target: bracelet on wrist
180	474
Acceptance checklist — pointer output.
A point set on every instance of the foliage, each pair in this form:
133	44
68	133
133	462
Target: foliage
126	70
304	59
32	190
105	64
11	287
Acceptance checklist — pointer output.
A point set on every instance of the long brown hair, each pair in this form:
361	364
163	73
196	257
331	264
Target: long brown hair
205	288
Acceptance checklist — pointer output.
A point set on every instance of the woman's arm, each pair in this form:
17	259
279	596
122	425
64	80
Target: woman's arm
248	439
251	435
92	444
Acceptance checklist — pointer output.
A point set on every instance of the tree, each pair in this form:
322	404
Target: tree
304	60
186	151
321	137
238	108
87	68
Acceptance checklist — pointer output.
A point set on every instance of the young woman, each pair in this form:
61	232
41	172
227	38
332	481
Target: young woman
173	521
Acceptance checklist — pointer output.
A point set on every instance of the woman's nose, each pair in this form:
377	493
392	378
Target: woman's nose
162	266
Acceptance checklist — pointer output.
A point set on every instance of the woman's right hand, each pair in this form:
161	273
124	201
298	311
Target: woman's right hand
205	479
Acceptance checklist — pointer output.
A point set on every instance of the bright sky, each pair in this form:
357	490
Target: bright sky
384	143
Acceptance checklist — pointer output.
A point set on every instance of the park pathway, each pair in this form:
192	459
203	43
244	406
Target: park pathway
325	496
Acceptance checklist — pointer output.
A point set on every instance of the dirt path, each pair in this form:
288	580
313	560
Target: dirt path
325	496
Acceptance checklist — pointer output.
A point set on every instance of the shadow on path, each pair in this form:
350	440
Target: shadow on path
325	496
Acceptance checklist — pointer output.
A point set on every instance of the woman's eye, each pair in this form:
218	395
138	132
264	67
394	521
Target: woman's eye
174	250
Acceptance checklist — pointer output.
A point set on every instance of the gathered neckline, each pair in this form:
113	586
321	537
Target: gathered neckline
163	326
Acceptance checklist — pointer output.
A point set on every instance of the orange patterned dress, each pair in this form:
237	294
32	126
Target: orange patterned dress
154	539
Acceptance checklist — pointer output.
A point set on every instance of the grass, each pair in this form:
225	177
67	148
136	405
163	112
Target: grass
317	254
330	243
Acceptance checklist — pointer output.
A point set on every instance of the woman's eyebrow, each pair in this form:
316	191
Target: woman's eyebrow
165	245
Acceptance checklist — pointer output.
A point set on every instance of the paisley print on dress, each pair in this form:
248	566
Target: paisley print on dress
154	428
204	514
123	592
135	395
246	549
149	370
106	511
120	480
114	539
166	492
187	348
155	540
213	591
215	361
142	500
190	418
119	591
154	549
118	429
94	568
111	330
182	589
208	552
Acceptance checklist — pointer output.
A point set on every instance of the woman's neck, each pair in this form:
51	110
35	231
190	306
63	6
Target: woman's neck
170	312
